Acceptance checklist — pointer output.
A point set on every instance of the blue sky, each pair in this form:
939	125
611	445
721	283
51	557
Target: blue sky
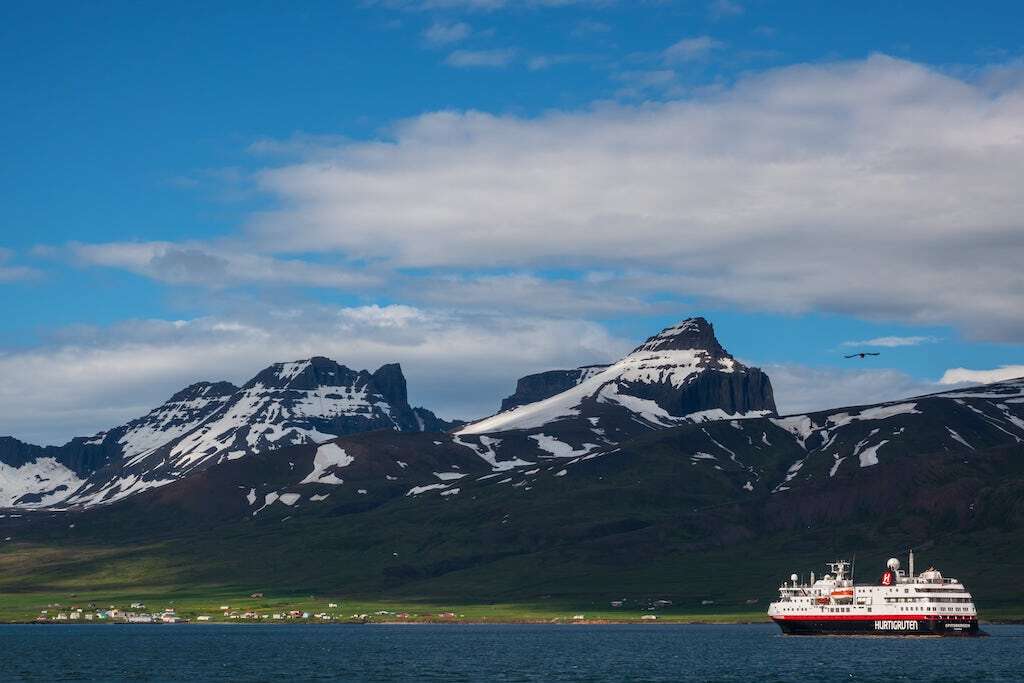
195	191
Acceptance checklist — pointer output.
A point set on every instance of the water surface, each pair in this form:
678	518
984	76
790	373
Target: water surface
654	652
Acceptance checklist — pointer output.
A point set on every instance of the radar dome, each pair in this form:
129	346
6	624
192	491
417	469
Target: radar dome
893	564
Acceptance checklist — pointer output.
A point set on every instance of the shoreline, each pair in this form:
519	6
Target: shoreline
447	622
439	622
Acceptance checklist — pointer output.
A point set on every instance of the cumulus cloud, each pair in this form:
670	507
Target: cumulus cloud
964	375
803	389
647	83
464	59
442	33
892	342
199	264
692	49
459	365
593	294
876	188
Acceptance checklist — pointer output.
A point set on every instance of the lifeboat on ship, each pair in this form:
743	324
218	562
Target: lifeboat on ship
843	593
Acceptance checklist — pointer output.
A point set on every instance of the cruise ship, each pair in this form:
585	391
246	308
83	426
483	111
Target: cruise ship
902	603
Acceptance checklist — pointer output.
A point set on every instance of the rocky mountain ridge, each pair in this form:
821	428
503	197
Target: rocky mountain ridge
635	475
746	458
306	401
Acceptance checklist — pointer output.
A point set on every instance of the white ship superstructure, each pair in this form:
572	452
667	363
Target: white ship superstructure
901	603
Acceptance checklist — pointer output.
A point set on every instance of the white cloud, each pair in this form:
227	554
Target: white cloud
480	58
13	273
442	33
199	264
523	292
692	49
458	365
964	375
876	188
644	83
539	62
803	389
892	342
724	8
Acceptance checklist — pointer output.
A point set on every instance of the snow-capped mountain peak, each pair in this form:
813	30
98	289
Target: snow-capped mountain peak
680	371
692	333
298	402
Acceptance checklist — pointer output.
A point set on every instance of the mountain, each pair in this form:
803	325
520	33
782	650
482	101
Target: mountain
306	401
745	458
713	509
542	385
677	375
680	375
667	471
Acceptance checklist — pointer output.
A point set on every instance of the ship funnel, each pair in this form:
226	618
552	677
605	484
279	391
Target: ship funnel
910	564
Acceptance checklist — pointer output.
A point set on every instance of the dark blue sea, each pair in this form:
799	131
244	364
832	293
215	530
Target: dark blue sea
494	653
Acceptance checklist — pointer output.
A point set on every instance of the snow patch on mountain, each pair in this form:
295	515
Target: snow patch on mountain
44	479
869	456
328	456
560	449
957	437
799	426
417	490
114	490
876	413
716	414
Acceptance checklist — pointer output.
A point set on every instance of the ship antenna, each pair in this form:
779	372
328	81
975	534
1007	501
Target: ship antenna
853	565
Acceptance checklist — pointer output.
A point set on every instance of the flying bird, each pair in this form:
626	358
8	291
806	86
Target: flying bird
862	354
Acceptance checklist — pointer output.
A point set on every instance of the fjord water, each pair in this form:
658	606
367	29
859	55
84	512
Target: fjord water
653	652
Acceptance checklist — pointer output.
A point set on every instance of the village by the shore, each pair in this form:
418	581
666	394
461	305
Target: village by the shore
331	612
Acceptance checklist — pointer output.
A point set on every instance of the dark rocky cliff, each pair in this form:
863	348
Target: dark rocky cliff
542	385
